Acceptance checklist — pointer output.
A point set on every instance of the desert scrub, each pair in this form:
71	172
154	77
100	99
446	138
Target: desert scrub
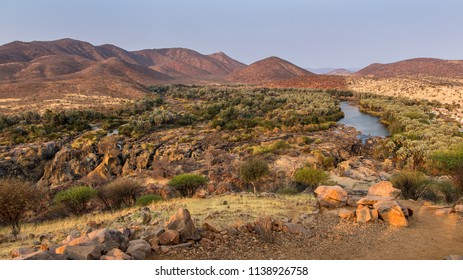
148	199
17	197
120	192
187	184
308	177
76	199
252	170
413	184
88	138
276	146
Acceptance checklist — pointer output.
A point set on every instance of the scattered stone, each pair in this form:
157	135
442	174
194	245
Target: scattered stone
139	249
83	252
108	239
116	254
295	229
391	212
169	237
384	188
211	227
21	252
180	246
346	214
182	223
363	215
331	196
201	193
73	235
37	256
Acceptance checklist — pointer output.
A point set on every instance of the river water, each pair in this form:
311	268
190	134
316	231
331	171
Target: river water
367	124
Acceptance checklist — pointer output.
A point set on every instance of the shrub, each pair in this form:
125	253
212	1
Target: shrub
252	170
76	199
122	191
16	198
451	162
448	191
147	199
413	184
187	184
309	178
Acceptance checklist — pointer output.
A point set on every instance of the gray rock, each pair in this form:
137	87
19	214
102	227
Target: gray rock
85	252
139	249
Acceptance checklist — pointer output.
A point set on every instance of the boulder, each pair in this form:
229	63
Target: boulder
295	229
19	252
459	209
139	249
83	252
384	188
363	215
331	196
391	212
37	256
201	193
183	224
369	200
116	254
169	237
346	214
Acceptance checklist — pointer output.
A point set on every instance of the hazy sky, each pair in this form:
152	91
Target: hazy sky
324	33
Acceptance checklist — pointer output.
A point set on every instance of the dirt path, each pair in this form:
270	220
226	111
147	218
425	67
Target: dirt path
428	237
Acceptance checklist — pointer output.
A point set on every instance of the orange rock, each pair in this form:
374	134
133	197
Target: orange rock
391	212
383	188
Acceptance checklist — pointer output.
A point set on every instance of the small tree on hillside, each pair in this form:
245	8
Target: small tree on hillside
76	199
187	184
16	198
252	170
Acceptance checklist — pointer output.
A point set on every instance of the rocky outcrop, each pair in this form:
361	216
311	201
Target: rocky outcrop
391	212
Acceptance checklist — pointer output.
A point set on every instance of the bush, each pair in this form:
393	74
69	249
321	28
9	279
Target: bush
448	191
16	198
147	199
76	199
122	191
252	170
309	178
187	184
451	162
413	184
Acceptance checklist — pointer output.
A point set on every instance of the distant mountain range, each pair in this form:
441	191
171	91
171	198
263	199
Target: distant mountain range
68	66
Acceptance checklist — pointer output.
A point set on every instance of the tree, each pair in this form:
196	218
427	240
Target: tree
451	163
252	170
309	178
76	199
187	184
17	197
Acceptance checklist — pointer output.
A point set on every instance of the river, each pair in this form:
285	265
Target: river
367	124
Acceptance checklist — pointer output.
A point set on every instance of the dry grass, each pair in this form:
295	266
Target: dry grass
224	210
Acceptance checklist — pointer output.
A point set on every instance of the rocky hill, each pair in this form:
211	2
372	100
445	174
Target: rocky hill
417	66
269	70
